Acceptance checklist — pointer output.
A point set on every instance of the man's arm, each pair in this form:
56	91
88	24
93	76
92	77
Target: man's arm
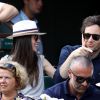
65	52
61	73
7	12
82	51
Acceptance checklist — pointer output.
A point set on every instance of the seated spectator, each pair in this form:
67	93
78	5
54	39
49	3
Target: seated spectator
13	77
77	87
90	47
7	12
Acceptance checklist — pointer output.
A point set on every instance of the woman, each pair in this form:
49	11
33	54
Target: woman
13	77
25	37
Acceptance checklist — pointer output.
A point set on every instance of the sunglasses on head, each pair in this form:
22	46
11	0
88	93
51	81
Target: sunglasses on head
80	79
94	36
8	65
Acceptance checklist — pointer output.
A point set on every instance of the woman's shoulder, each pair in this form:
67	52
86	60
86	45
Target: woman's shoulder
6	58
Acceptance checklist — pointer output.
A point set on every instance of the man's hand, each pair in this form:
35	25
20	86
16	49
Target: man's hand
82	51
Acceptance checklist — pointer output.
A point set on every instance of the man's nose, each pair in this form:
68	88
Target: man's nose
85	83
90	38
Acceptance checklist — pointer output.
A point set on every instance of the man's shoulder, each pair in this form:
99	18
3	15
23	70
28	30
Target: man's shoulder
67	49
94	90
57	90
19	17
70	47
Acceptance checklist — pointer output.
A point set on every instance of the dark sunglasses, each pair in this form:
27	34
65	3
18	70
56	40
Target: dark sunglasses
94	36
80	79
36	37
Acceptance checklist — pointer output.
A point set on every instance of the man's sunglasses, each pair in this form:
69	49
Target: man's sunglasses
94	36
80	79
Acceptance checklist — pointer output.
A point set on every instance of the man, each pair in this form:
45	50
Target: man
90	47
77	87
29	10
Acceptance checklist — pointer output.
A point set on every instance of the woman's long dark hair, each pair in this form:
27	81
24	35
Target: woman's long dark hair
22	53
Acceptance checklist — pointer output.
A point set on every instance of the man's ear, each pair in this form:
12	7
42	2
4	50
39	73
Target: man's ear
69	73
83	43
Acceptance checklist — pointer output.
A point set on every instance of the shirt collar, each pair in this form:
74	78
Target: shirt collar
66	87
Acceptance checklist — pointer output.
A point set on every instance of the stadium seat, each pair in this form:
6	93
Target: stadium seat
48	82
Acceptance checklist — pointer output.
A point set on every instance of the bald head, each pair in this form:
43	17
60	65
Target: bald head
81	61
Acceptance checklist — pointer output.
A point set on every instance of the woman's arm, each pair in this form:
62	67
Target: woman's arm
49	69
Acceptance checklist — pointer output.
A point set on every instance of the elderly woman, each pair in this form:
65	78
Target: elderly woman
13	77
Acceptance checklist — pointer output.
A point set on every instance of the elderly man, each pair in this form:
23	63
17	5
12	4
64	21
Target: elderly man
77	87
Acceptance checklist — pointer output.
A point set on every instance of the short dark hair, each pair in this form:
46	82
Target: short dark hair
90	20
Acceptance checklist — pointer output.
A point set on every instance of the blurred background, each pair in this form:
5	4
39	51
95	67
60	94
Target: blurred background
61	20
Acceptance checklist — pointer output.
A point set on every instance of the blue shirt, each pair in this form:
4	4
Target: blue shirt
61	90
65	52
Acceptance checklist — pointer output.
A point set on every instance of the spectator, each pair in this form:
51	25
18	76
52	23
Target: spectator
90	47
25	37
13	77
29	10
77	86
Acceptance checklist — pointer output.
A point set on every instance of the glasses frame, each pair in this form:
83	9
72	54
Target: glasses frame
9	66
95	37
80	79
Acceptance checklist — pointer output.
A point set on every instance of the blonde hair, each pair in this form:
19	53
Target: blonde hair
20	73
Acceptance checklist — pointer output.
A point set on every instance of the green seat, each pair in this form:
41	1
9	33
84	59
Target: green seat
5	30
48	82
6	44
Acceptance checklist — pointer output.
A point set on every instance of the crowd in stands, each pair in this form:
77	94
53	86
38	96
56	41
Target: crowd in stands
22	71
